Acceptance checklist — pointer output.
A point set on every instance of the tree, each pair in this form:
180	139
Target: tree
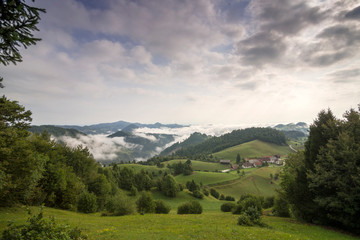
169	186
322	183
335	179
17	22
145	203
238	159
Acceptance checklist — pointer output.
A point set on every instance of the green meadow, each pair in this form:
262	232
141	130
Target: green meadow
208	225
200	165
252	149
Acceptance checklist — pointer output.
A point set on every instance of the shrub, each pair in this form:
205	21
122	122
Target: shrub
192	207
205	192
269	202
145	203
250	217
222	197
244	220
229	198
133	191
214	193
281	207
120	205
198	194
87	202
40	228
237	209
227	207
161	207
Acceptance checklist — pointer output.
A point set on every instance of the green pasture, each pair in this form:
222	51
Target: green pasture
206	178
208	225
256	181
200	165
252	149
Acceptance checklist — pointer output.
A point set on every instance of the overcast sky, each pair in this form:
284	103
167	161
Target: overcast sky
189	61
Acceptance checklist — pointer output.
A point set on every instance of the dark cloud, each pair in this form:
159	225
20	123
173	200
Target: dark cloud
353	14
261	49
332	45
288	17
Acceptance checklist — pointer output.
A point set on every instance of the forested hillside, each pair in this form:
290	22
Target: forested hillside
236	137
195	138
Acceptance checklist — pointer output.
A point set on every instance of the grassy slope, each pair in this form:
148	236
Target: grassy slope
252	149
256	181
200	166
209	225
206	178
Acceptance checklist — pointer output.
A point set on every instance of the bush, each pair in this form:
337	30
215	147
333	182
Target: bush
244	220
198	194
145	203
269	202
87	202
161	207
229	198
205	192
192	207
222	197
120	205
40	228
237	209
214	193
250	217
227	207
281	207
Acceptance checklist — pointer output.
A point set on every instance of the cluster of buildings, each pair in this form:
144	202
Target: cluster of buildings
255	162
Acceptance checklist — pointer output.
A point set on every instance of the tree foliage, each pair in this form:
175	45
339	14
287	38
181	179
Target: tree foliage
322	184
18	20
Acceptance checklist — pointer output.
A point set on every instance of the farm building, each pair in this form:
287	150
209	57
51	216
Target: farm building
223	161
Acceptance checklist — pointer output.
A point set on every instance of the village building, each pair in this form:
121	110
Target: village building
247	165
223	161
235	166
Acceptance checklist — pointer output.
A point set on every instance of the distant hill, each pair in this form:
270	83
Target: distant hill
236	137
300	127
55	131
107	128
294	135
194	139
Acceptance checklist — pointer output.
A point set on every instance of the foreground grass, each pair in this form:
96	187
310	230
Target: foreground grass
209	225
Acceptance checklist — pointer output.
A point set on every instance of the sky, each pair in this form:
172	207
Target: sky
189	61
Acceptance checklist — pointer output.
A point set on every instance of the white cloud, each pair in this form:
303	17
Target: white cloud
100	146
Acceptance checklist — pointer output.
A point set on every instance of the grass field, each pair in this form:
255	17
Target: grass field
209	225
201	166
256	181
252	149
206	178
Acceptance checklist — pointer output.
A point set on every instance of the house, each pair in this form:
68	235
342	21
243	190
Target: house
252	161
257	164
247	165
235	166
223	161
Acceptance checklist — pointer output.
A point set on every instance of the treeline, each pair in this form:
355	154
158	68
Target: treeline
236	137
322	183
35	170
